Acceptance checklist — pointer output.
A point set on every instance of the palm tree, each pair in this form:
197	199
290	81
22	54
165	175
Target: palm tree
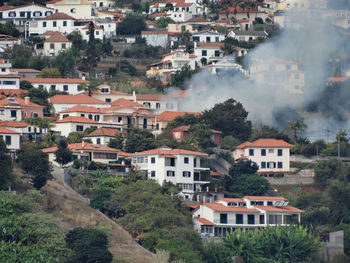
297	126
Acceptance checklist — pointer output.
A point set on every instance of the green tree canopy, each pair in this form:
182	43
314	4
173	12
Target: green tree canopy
139	140
5	166
63	154
131	24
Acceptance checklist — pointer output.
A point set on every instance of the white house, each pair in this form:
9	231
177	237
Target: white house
162	120
156	8
208	51
98	32
156	38
69	85
225	65
59	22
208	36
86	151
12	140
170	63
109	27
221	217
247	36
7	41
24	129
271	155
5	66
157	102
180	167
63	102
79	9
10	110
103	3
54	45
102	136
105	93
182	12
278	73
19	15
9	82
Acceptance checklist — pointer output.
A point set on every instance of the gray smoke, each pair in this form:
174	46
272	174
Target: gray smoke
308	40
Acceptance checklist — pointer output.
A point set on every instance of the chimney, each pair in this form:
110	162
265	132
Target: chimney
26	100
83	76
82	144
134	95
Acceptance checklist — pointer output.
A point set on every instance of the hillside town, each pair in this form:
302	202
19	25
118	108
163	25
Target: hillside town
175	131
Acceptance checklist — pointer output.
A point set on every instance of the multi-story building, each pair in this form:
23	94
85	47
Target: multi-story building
12	140
102	136
208	51
162	120
10	110
55	44
64	102
271	155
79	9
180	167
157	102
208	36
250	212
69	85
59	22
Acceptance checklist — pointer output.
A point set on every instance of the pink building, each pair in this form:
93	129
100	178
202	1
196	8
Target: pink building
181	133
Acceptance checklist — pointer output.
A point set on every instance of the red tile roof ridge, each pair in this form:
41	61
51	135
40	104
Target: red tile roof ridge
56	80
82	108
168	116
126	103
265	142
204	221
74	147
4	130
103	132
221	207
161	151
77	119
14	124
258	198
287	208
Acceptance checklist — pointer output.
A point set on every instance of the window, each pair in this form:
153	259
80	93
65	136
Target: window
41	86
204	53
35	115
223	218
263	152
251	152
157	126
53	87
195	38
12	14
208	39
186	160
279	152
48	13
275	219
80	127
9	82
64	23
217	53
271	165
97	118
98	141
65	87
8	139
120	119
280	165
13	114
97	33
108	100
269	203
44	24
153	159
297	76
239	219
153	173
29	129
256	203
194	162
157	105
82	115
271	150
217	39
186	174
288	67
22	14
52	46
3	70
263	165
37	14
170	173
90	116
54	23
63	45
73	10
251	219
262	219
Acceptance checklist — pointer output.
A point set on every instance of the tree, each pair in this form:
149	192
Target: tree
26	85
5	166
297	127
91	88
50	73
139	140
178	79
132	24
117	142
187	119
202	134
63	154
67	60
35	163
88	245
9	29
328	169
75	137
265	131
230	118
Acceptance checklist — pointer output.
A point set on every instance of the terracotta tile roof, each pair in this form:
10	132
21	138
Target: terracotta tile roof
137	83
10	76
264	198
126	103
20	102
57	37
81	108
14	124
223	208
168	116
74	99
204	221
194	206
7	131
4	8
161	151
159	14
154	32
12	92
287	208
77	147
215	174
56	80
178	94
103	132
181	128
25	70
265	143
238	9
96	27
239	200
175	1
338	79
58	16
77	120
153	97
183	4
48	33
210	45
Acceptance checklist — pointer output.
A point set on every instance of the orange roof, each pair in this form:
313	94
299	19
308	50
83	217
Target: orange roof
287	208
154	32
237	9
58	16
215	174
168	116
74	99
223	208
265	143
96	27
183	4
159	14
12	92
14	124
20	102
57	37
25	70
103	132
56	80
75	147
264	198
77	119
80	108
161	151
204	221
210	45
231	200
153	97
338	79
194	206
126	103
181	128
7	131
137	83
4	8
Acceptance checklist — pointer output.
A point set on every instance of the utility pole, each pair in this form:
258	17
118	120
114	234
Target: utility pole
338	146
